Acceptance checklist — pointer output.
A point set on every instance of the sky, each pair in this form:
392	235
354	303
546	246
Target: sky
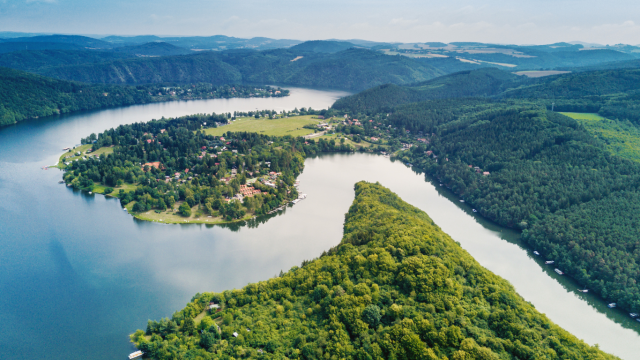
514	22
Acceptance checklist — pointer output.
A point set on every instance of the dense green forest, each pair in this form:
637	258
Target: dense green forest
396	287
26	96
171	165
525	167
613	94
481	82
353	69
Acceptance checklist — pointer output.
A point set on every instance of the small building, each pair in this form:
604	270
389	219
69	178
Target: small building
486	173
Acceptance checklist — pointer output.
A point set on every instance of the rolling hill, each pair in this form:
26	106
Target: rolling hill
24	96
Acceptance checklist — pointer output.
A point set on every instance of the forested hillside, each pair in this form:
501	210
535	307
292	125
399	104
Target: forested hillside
182	69
482	82
613	94
24	96
352	69
35	61
396	287
528	168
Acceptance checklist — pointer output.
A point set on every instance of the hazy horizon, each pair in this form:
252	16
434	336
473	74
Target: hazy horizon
409	21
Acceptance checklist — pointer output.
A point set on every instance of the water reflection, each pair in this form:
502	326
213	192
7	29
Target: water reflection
121	272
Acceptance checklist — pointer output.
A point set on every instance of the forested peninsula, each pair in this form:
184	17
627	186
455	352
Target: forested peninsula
170	170
396	287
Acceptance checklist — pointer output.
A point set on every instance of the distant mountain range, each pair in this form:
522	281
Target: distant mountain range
349	65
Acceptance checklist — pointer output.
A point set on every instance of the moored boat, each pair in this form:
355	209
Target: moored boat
612	305
584	290
474	210
559	272
633	315
136	354
536	253
548	262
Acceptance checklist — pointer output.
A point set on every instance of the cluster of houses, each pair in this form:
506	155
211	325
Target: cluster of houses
248	191
479	171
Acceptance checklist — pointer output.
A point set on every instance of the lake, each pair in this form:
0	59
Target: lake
78	274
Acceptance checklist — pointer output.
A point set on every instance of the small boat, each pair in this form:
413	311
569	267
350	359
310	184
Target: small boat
474	210
125	209
440	184
559	272
612	305
584	290
90	193
136	354
638	319
461	200
548	262
633	315
536	253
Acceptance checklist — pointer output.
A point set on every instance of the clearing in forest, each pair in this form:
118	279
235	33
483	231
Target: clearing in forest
274	127
621	138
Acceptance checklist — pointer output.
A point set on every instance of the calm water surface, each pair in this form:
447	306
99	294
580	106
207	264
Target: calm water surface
77	274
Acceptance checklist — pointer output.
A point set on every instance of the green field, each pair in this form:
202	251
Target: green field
621	138
83	150
583	116
276	127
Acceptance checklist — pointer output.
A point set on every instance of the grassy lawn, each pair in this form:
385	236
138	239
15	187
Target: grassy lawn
620	138
83	150
276	127
103	150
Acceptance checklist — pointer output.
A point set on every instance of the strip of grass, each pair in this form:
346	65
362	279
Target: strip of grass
347	141
171	216
274	127
620	138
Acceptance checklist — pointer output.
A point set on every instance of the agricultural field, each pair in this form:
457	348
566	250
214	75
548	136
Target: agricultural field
274	127
621	138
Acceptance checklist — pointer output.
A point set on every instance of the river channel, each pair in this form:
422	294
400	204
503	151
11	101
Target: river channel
78	274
